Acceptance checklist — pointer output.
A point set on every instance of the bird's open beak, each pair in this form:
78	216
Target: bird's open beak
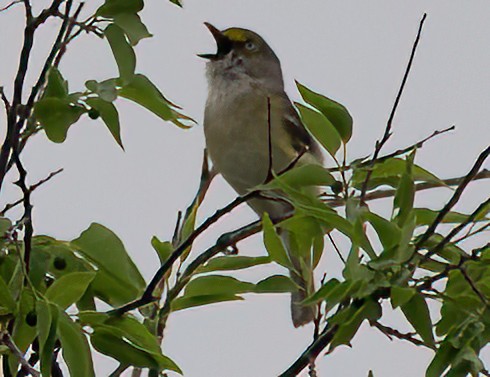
223	43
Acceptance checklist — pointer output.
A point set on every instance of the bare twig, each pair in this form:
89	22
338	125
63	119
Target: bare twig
52	54
382	194
5	101
72	21
455	231
9	206
387	133
27	217
12	129
11	4
399	152
270	174
473	286
473	233
6	339
390	333
336	248
147	296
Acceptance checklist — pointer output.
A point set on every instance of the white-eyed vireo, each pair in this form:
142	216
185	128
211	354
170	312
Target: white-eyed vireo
244	76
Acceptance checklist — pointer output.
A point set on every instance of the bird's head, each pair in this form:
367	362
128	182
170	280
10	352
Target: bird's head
241	53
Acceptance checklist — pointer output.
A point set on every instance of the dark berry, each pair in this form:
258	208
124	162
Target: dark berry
31	318
59	263
93	114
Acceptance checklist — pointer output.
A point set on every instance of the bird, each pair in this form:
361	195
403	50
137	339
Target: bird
246	109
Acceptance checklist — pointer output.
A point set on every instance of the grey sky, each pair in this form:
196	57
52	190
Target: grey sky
352	51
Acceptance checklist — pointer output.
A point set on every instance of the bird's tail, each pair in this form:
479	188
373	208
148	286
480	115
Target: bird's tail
302	275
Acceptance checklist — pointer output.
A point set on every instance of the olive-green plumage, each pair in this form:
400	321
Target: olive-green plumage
243	77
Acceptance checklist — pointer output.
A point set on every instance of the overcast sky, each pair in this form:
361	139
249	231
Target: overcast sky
352	51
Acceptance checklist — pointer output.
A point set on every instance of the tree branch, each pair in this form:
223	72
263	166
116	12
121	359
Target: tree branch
9	206
454	199
312	352
390	333
399	152
382	194
9	343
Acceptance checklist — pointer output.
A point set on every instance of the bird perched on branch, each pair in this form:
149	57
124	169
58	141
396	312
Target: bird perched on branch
252	128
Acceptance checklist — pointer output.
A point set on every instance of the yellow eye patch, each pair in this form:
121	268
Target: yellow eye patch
236	35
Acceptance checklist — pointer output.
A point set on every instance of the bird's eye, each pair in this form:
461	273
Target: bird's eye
250	46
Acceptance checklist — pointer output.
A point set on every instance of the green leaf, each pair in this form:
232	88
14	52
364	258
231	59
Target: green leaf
56	85
132	26
56	116
217	284
118	280
47	324
389	172
273	243
388	232
143	92
69	288
442	359
232	262
417	313
308	175
177	2
321	128
330	288
425	216
336	113
276	284
370	310
75	348
112	8
163	248
5	225
7	303
106	90
122	51
186	302
105	342
126	333
24	331
401	295
109	115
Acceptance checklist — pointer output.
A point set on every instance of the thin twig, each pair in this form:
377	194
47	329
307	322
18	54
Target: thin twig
9	206
387	133
11	4
473	286
311	352
52	54
5	100
147	296
6	339
64	43
455	231
270	174
390	332
12	131
473	233
399	152
27	217
454	199
336	248
382	194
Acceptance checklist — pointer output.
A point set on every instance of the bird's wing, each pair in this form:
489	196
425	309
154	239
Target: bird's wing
300	137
